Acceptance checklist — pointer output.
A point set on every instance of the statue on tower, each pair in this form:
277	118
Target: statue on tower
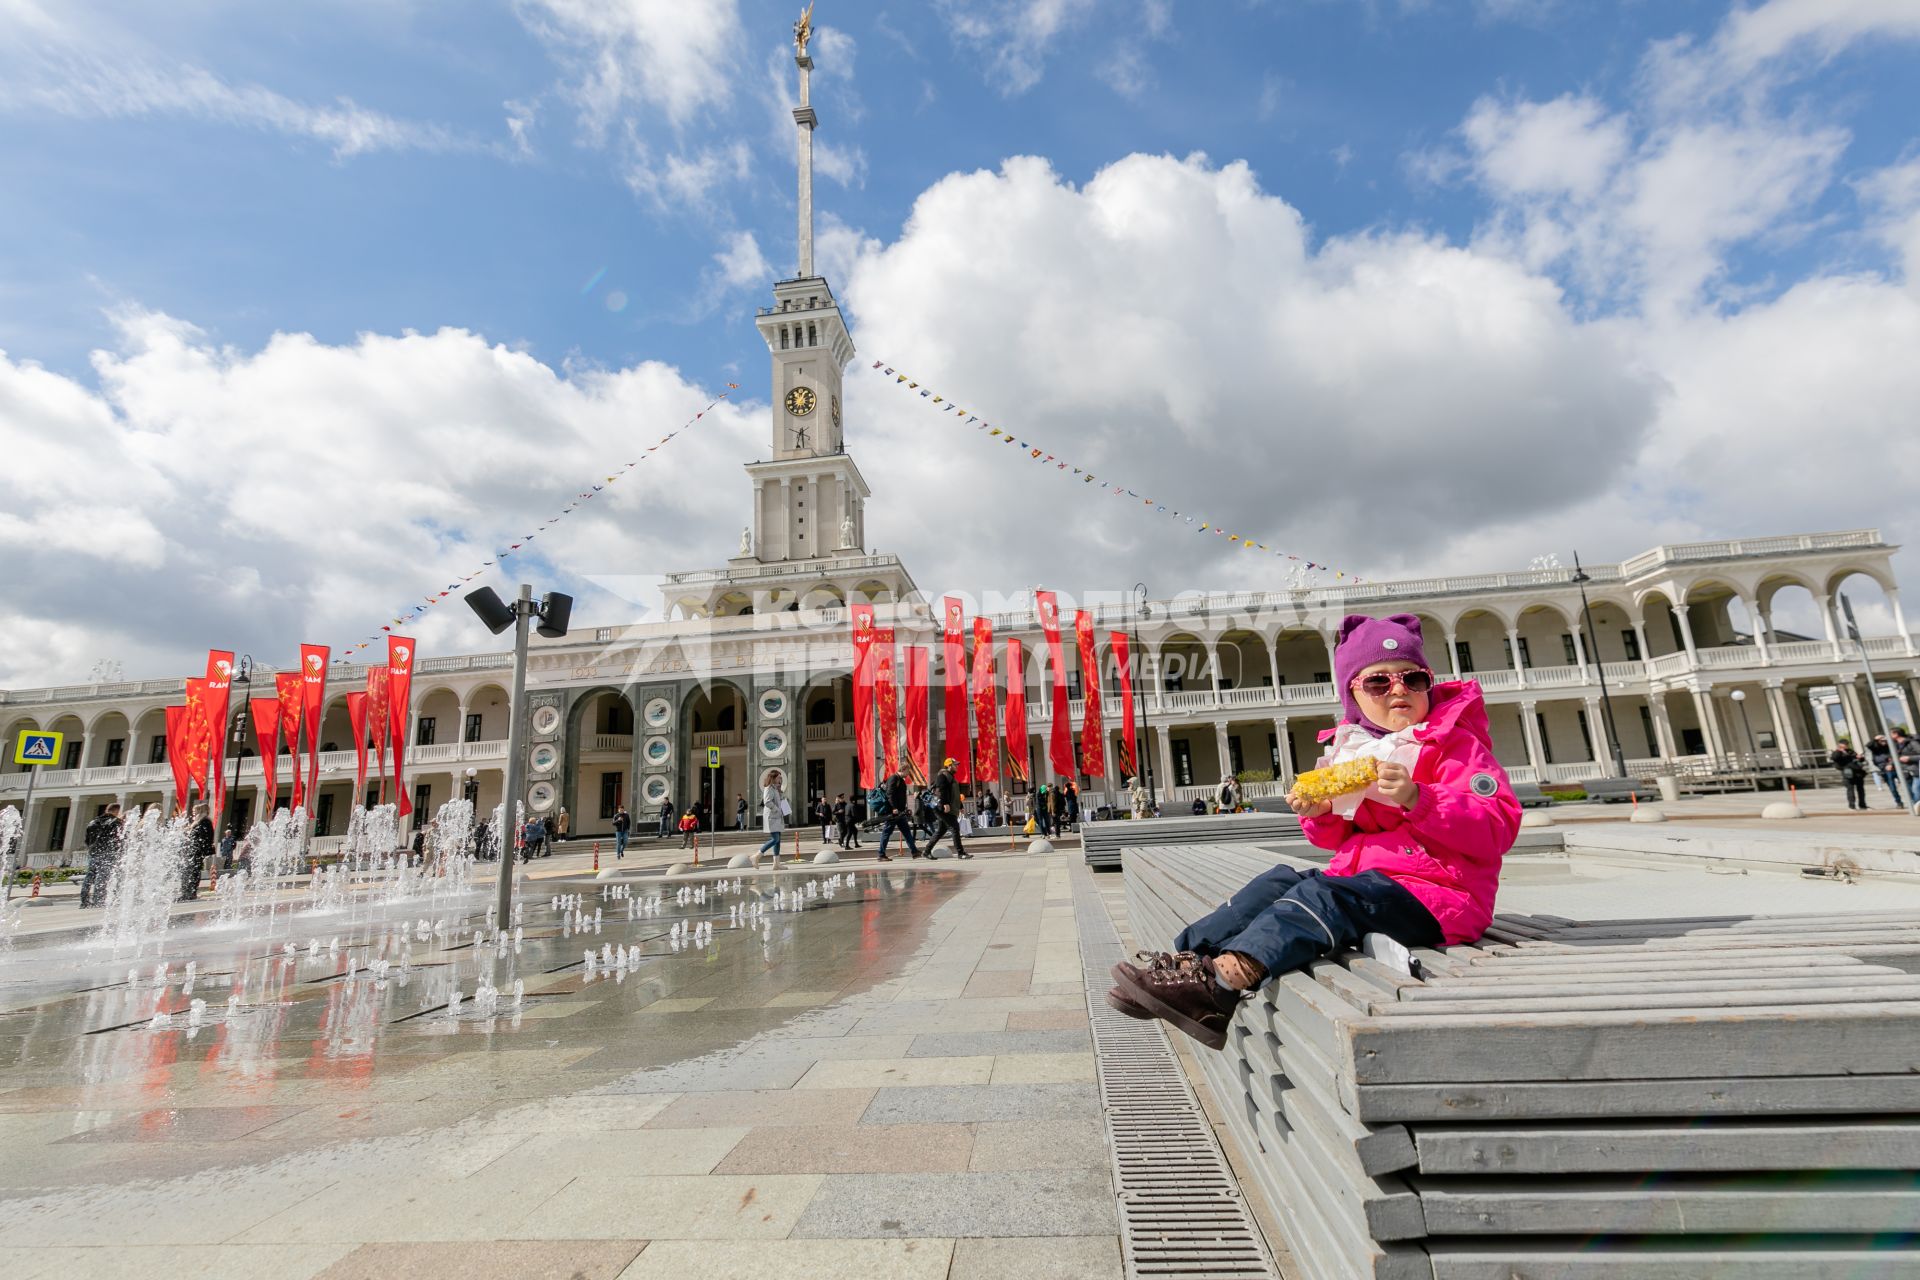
746	541
803	32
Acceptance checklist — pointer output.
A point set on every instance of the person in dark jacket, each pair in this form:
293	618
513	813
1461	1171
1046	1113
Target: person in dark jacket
199	849
103	851
897	816
622	828
842	830
1853	772
947	810
666	817
1059	809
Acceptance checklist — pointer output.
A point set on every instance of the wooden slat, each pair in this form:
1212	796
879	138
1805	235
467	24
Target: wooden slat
1815	1202
1686	1146
1578	1099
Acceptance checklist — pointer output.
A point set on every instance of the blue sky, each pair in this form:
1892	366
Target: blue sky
1502	222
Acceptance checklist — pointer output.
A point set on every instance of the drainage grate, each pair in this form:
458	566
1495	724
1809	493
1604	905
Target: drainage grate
1181	1212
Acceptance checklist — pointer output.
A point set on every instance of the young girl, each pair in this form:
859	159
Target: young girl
1417	853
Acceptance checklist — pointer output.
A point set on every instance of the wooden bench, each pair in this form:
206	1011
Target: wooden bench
1102	842
1612	1098
1530	795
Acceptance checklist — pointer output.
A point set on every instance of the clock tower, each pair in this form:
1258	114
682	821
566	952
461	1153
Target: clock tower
809	533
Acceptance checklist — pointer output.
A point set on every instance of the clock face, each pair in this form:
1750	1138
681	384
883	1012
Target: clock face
800	401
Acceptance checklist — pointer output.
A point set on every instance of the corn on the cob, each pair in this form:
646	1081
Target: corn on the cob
1316	785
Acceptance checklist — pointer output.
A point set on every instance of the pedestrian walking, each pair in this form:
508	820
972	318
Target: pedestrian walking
1138	798
1057	802
622	826
739	812
562	826
1073	804
1043	809
689	828
199	849
823	814
666	818
842	832
947	810
895	815
1853	773
774	812
226	850
103	851
537	840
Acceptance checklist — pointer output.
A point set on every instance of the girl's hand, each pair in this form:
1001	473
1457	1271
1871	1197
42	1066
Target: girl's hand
1396	784
1307	809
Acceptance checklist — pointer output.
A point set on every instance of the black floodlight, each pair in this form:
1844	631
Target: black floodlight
556	610
487	605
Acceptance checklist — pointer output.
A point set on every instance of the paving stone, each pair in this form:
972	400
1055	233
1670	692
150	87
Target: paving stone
186	1124
582	1113
493	1260
1048	1020
174	1262
761	1108
1077	1142
896	1072
949	1104
628	1153
833	1048
762	1207
793	1260
1043	1068
1059	1258
939	1044
713	1074
1000	982
859	1148
1022	1203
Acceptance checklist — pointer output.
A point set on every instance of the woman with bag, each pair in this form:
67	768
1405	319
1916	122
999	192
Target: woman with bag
774	812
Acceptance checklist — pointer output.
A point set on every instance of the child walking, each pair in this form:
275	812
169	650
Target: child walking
1417	853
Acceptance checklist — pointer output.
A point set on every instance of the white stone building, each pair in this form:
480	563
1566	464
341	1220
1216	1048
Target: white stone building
754	658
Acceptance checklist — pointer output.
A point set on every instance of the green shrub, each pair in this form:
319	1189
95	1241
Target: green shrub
1254	775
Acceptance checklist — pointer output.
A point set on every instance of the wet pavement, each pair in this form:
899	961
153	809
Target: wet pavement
894	1079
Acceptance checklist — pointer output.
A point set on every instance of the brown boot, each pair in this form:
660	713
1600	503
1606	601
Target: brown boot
1147	962
1187	996
1117	1001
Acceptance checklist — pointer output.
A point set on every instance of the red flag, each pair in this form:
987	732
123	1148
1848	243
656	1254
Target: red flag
886	700
863	692
292	694
313	678
219	691
917	693
1093	737
198	744
399	704
1016	715
266	740
1060	740
1129	754
357	721
178	737
954	678
986	712
377	722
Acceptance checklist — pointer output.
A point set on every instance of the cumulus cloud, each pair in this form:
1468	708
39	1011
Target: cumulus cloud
307	491
662	55
1175	327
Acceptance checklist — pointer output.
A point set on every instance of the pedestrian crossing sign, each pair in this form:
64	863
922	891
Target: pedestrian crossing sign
713	757
36	747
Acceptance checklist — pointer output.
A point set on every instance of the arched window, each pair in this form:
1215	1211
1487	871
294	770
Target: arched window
821	712
724	721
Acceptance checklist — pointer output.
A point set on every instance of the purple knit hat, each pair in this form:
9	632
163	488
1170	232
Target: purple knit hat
1363	641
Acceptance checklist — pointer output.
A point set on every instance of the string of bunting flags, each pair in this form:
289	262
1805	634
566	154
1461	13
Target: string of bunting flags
586	495
1039	454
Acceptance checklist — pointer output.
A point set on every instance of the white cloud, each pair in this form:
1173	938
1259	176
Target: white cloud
741	263
1014	35
670	56
204	495
1751	37
1126	72
96	71
689	179
1567	147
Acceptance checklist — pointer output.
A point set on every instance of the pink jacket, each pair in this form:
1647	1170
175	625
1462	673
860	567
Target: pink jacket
1446	850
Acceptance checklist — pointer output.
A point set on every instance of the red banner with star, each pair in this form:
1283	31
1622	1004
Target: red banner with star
863	692
1093	735
1060	738
954	680
266	740
313	701
1016	714
357	721
918	766
886	700
986	708
198	744
376	728
292	693
1129	753
178	755
219	695
399	704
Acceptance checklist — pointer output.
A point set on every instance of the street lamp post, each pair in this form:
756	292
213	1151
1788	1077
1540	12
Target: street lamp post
472	790
1146	722
554	610
1581	577
1739	697
1903	789
243	676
